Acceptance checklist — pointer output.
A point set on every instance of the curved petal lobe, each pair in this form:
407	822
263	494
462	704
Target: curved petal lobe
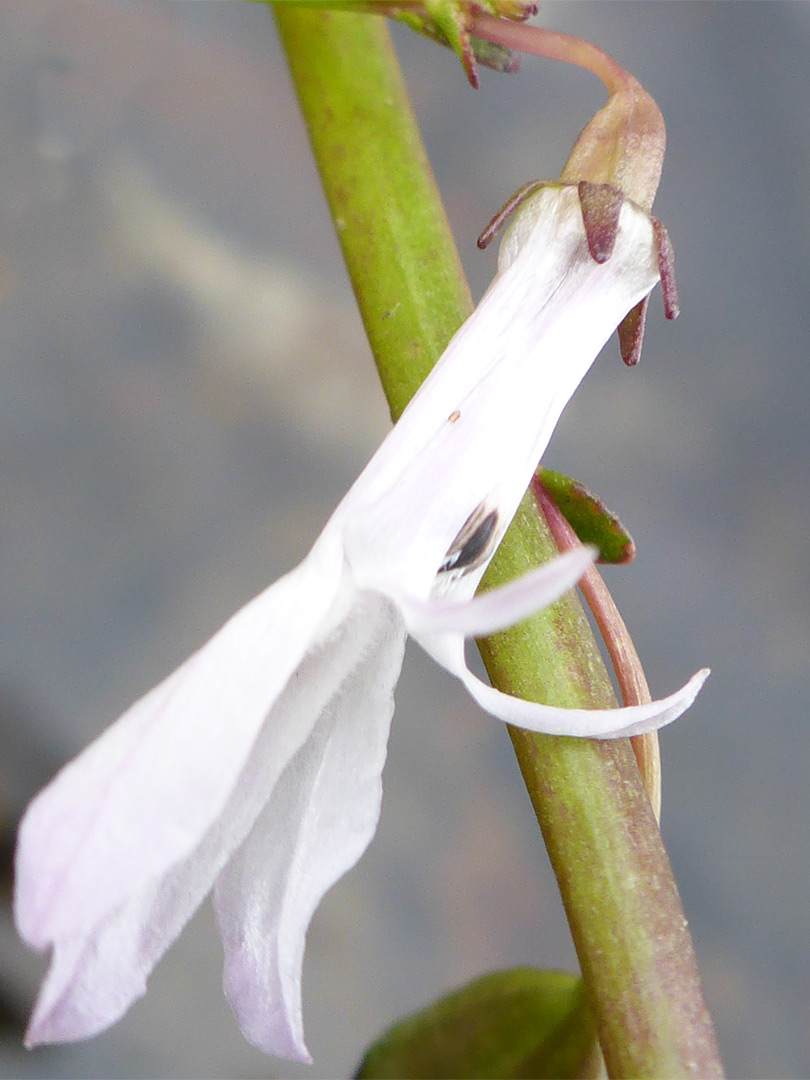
95	977
448	650
142	796
498	608
318	822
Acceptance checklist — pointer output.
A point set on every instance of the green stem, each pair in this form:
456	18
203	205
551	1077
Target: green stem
388	214
617	887
615	879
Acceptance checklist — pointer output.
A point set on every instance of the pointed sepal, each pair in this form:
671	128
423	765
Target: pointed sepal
601	205
449	23
451	19
500	218
631	332
631	328
666	268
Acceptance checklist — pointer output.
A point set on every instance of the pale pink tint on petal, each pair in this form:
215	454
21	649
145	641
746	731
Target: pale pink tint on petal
316	825
141	797
96	977
65	1010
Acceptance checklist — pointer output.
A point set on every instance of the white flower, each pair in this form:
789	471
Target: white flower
255	767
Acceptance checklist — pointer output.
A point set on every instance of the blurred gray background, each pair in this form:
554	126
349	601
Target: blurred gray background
186	392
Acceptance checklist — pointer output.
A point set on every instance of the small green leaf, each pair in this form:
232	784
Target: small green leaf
588	516
519	1023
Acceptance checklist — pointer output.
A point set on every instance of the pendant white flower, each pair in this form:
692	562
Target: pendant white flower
255	767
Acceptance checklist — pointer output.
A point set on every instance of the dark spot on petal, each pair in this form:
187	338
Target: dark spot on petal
451	419
473	543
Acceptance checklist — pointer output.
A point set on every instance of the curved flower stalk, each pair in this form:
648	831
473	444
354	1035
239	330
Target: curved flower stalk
619	153
254	769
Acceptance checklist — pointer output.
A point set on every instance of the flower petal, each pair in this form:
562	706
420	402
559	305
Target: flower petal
498	608
316	825
96	975
142	796
473	434
448	650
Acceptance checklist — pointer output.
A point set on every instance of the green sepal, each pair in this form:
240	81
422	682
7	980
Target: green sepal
519	1023
450	31
446	22
588	516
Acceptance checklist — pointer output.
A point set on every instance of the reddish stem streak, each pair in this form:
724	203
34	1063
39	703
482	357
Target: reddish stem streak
619	644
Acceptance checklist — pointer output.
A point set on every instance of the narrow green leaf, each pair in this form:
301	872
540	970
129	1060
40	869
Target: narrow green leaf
519	1023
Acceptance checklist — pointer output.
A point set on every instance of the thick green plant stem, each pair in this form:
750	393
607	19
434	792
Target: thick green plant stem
622	904
389	217
621	899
